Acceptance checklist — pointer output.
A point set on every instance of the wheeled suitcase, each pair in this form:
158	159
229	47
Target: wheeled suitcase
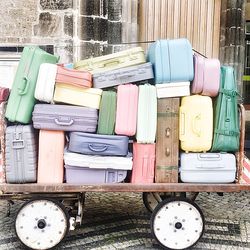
113	61
143	163
172	60
21	154
172	89
147	114
107	113
167	140
88	97
3	125
94	144
208	168
4	94
127	104
196	123
50	159
65	118
21	100
125	75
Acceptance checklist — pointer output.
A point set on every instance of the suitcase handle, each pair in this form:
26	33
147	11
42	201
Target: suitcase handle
17	144
209	156
195	126
110	61
228	105
128	75
69	123
25	85
97	148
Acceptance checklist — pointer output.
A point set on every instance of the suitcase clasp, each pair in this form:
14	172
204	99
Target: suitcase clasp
18	144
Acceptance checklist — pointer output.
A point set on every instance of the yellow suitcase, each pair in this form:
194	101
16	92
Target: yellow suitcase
196	123
87	97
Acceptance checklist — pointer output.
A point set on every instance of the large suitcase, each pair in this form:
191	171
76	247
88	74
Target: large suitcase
208	168
21	154
147	114
196	123
4	94
3	125
64	117
165	90
88	97
172	60
116	60
126	115
21	101
107	113
50	159
167	140
125	75
94	144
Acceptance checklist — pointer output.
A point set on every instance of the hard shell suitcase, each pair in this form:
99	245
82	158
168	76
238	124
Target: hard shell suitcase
50	160
65	118
107	113
244	172
3	125
196	123
172	60
113	61
125	75
208	168
127	104
21	154
172	89
89	97
94	144
167	140
21	101
4	94
143	163
147	114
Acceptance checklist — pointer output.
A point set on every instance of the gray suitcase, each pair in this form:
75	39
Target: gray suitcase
65	118
125	75
21	154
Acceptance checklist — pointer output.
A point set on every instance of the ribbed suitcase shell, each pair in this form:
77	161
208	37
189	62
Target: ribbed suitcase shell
64	117
196	123
21	101
4	94
88	97
127	105
3	125
147	114
50	159
208	168
173	89
21	154
143	163
116	60
125	75
172	60
98	144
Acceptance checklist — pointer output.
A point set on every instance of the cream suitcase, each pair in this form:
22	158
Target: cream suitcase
87	97
175	89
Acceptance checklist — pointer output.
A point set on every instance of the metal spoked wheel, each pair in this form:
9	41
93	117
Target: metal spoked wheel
177	223
41	223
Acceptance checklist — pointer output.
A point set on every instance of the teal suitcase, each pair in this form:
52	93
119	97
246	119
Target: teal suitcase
21	100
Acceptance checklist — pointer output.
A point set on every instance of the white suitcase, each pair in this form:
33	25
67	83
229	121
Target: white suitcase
175	89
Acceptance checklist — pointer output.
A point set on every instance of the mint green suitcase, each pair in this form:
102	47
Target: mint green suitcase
21	100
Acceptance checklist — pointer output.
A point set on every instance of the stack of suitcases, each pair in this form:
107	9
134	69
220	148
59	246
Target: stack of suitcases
120	117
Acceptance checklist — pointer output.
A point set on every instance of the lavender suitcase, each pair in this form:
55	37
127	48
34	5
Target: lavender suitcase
95	144
65	118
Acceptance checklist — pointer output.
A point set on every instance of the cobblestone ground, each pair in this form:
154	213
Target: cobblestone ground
120	221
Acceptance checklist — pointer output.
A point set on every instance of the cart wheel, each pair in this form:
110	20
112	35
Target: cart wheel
41	223
177	223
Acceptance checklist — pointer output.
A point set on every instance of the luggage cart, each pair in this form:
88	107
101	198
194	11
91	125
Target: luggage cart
176	222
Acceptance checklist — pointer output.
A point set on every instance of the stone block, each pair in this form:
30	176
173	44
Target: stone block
114	32
68	25
93	7
94	49
114	10
56	4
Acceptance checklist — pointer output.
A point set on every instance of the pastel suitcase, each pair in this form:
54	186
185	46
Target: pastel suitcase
167	140
21	100
172	89
143	163
207	76
21	154
65	118
125	75
147	114
113	61
46	82
244	172
126	114
3	125
88	97
50	159
196	123
107	113
4	94
94	144
208	168
172	60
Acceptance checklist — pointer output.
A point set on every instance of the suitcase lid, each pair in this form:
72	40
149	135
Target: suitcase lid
94	91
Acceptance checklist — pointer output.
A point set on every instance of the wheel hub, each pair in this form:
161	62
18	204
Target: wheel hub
178	225
41	224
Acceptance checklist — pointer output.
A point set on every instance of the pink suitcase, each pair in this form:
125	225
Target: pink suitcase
206	76
126	113
50	160
4	94
143	163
